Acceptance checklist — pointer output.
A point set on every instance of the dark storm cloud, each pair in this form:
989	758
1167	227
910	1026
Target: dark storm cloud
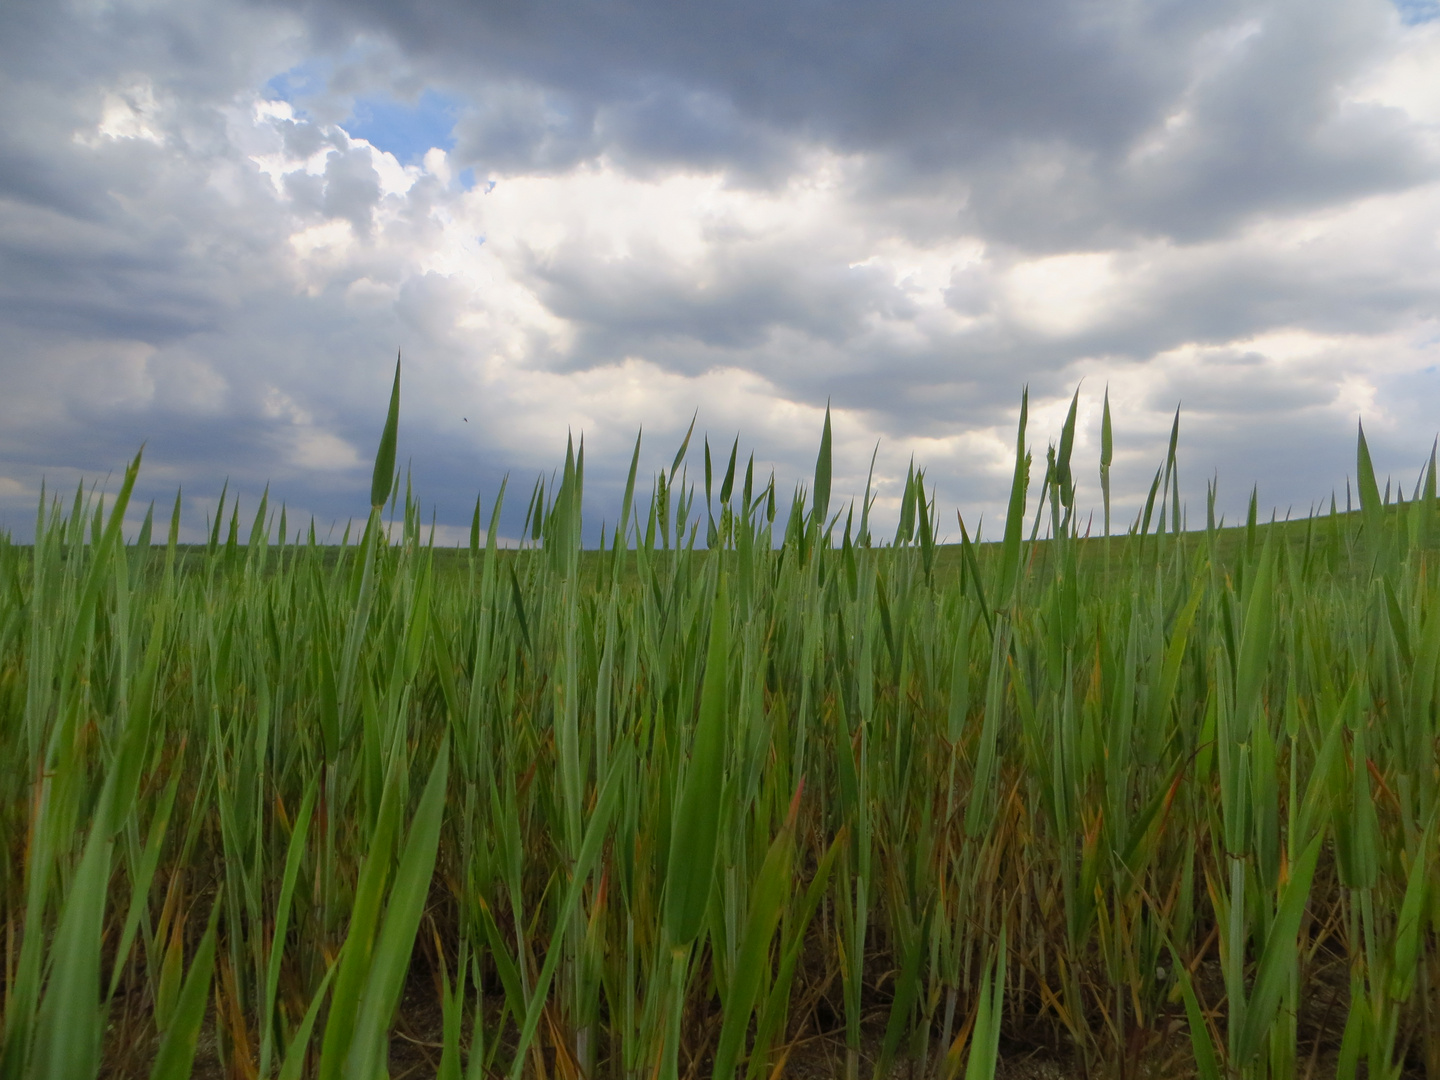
914	75
674	124
1065	124
521	127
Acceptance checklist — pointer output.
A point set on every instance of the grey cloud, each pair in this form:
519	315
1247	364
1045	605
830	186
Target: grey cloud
516	127
847	71
1268	130
306	191
1240	386
1242	293
1041	116
352	188
803	323
735	305
303	139
427	304
969	291
672	125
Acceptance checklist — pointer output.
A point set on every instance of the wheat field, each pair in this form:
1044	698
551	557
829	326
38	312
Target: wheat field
746	790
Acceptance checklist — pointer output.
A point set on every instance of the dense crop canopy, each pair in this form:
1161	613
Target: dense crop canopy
1165	799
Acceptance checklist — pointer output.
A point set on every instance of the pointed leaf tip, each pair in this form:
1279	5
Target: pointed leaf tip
384	473
822	474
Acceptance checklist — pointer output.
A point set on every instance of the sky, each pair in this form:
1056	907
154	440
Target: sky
220	220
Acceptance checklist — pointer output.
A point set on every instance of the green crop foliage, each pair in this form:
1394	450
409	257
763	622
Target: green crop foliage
725	791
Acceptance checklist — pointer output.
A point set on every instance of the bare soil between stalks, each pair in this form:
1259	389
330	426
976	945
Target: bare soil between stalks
816	1050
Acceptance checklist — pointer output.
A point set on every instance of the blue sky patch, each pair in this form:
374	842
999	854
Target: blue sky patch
303	80
405	130
1414	12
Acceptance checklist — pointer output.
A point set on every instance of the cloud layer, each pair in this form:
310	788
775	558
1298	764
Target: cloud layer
218	221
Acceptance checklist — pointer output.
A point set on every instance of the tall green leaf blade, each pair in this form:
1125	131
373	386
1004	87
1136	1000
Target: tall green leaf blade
767	900
985	1040
1410	922
293	856
1372	509
1015	512
1256	638
727	485
1207	1062
354	965
907	990
1164	693
684	446
589	855
821	498
144	874
176	1058
67	1045
294	1063
1271	974
1064	479
396	942
794	929
622	529
696	828
384	475
1107	456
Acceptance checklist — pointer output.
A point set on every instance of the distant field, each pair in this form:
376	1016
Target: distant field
840	804
1223	544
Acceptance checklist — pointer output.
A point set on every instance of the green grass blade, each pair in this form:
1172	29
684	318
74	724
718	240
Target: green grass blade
1015	512
1279	957
1064	479
985	1039
1164	693
767	900
293	856
176	1057
1207	1063
1372	509
777	1001
590	850
623	527
294	1064
67	1044
143	876
1255	640
727	485
820	499
1107	455
391	961
384	474
972	565
684	446
696	828
1410	921
354	967
907	991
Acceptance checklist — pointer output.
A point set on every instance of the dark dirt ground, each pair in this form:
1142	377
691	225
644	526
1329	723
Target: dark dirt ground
817	1053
